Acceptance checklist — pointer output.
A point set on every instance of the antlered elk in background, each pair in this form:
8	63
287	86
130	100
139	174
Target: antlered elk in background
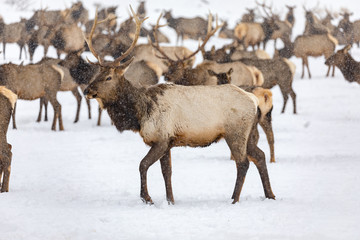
31	82
7	103
314	46
193	28
168	115
252	34
346	63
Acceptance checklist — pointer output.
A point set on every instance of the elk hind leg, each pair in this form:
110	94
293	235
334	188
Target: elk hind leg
258	158
57	113
165	162
237	145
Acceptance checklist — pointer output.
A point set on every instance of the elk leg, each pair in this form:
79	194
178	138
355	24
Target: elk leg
285	97
258	158
46	46
13	117
4	43
328	71
46	108
267	127
156	151
25	51
21	47
333	71
303	68
78	97
6	180
89	107
99	116
293	97
57	113
307	66
238	150
40	110
165	162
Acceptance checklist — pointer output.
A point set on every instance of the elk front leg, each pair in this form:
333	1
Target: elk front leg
157	151
165	162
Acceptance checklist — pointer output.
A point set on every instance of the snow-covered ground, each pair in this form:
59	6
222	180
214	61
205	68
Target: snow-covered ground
84	183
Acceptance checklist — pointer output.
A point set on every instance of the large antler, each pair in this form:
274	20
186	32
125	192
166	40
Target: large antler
156	44
209	34
117	61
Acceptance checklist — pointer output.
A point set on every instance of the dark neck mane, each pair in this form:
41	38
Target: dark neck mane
350	68
124	111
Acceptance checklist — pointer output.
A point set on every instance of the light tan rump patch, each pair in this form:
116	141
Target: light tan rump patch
9	94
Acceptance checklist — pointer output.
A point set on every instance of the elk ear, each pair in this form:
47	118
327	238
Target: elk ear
347	48
166	63
213	50
211	73
230	71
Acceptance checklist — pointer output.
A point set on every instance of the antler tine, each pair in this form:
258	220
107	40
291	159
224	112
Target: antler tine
137	33
156	44
207	37
89	41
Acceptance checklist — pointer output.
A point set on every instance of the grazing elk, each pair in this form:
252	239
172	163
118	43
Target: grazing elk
346	63
7	104
169	115
193	28
315	46
276	72
31	82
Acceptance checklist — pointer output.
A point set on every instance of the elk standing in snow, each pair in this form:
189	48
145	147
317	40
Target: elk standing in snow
7	103
168	115
31	82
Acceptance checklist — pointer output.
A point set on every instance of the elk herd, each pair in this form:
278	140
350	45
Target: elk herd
226	96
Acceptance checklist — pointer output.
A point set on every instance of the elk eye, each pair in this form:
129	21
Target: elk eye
108	78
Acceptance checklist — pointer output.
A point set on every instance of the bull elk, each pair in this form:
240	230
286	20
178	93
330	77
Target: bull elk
169	115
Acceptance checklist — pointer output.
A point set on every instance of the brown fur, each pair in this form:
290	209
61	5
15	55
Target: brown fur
315	46
67	84
172	115
276	72
7	102
31	82
347	65
193	28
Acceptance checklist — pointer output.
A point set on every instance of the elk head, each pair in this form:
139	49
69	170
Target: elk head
338	58
110	79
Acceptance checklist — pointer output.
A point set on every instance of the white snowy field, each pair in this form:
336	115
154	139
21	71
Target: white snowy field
83	183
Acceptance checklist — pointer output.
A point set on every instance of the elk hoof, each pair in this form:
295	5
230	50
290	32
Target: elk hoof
147	200
272	196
